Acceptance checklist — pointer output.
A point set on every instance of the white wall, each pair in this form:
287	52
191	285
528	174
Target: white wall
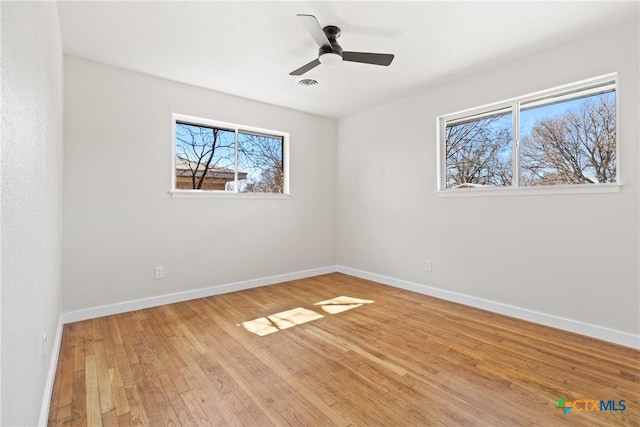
31	203
573	256
120	221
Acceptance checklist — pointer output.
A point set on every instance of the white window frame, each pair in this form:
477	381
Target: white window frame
513	104
199	121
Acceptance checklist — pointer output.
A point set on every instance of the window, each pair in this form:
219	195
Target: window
560	137
214	157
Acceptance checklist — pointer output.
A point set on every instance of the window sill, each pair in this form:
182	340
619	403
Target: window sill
203	194
531	191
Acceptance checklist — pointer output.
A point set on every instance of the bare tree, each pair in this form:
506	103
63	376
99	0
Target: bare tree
263	155
200	150
479	152
576	148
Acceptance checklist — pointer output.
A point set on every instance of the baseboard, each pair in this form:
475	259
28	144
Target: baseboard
595	331
139	304
582	328
51	375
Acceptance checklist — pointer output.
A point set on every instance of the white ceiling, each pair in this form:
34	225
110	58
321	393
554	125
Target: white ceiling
247	49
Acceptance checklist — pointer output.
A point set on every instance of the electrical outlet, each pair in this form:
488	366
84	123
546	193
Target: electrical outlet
44	348
158	272
427	264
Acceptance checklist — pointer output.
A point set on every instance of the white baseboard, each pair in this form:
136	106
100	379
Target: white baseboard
139	304
51	375
595	331
590	330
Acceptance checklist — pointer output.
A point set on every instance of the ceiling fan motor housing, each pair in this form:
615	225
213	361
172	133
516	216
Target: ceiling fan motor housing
332	32
331	55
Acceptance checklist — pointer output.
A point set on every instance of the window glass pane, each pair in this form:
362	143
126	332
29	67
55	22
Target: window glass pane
479	151
569	142
260	163
205	157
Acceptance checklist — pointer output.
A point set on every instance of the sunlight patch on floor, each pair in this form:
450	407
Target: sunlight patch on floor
296	316
342	303
284	320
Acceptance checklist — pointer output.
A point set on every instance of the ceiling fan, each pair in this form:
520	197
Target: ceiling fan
330	52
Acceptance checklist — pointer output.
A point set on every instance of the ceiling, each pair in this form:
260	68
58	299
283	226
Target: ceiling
247	49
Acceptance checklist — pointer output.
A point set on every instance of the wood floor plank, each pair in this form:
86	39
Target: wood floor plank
94	411
104	379
405	359
78	399
137	413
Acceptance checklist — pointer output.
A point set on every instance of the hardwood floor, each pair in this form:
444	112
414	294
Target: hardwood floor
404	359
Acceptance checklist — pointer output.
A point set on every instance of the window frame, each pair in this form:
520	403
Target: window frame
536	99
236	128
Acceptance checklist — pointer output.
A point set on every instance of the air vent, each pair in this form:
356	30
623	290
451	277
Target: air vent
307	82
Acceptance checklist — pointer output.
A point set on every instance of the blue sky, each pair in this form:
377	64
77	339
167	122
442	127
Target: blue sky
529	117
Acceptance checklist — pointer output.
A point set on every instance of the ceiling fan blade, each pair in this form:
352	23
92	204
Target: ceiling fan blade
368	58
300	71
311	24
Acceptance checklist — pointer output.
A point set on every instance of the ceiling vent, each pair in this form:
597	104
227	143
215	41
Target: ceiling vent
307	82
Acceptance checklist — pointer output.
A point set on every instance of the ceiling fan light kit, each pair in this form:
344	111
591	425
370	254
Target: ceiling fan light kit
330	51
330	58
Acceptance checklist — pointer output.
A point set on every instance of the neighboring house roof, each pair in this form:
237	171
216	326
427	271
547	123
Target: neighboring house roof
470	185
186	167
